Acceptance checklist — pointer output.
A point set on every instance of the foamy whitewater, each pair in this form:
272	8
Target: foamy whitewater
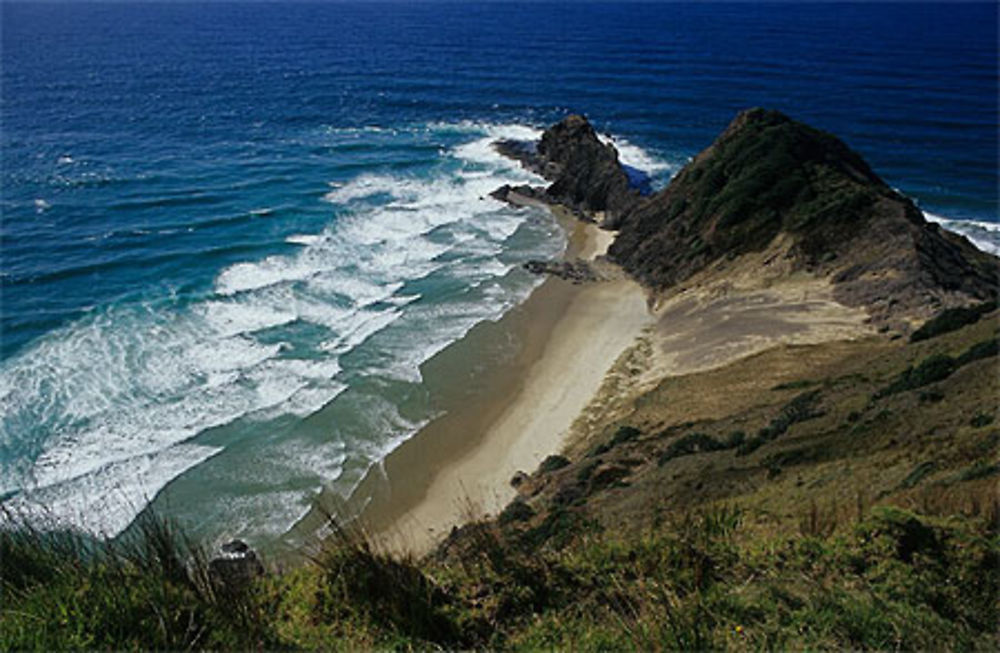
238	238
121	402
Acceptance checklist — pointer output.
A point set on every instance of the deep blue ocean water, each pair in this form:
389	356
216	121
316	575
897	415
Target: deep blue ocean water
233	232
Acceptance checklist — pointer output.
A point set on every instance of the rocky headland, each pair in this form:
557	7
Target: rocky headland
767	185
754	409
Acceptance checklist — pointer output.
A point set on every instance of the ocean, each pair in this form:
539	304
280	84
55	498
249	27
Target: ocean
234	233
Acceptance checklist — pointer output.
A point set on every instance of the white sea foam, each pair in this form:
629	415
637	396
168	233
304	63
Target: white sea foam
304	239
104	395
109	405
256	517
106	502
362	187
636	157
481	150
367	324
984	235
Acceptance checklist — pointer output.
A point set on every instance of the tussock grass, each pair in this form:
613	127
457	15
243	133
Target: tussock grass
882	577
150	590
865	520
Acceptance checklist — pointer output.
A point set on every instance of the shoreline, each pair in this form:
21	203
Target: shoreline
458	467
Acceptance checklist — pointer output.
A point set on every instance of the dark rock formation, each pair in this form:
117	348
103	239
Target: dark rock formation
585	173
768	175
235	567
520	195
525	152
574	271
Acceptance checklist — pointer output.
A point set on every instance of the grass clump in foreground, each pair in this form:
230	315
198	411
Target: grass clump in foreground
150	590
893	579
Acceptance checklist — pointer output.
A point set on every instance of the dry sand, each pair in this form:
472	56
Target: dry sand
459	467
584	352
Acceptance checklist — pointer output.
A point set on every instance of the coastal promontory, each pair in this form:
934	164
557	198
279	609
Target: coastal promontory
755	408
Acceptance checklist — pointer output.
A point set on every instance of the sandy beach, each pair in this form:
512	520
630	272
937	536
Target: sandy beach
460	465
581	352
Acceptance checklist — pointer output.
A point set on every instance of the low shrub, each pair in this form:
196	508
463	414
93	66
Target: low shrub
625	434
979	351
552	463
918	474
516	511
981	419
952	319
930	370
801	408
690	444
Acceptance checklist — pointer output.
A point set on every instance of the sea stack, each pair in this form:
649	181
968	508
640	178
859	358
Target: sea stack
585	173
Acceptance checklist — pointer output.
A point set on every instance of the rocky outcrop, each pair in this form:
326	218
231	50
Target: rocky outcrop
766	183
523	195
767	175
573	271
236	566
585	173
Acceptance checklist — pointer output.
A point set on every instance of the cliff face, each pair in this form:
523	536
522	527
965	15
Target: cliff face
767	175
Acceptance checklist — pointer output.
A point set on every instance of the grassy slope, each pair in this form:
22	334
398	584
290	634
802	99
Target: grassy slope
843	516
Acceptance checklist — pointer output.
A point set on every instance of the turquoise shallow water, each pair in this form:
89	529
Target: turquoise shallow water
232	233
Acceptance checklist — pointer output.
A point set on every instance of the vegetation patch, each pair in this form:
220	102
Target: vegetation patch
952	319
625	434
516	511
801	408
930	370
938	367
978	471
791	457
558	527
151	590
919	473
981	419
932	396
622	435
979	351
690	444
796	385
553	463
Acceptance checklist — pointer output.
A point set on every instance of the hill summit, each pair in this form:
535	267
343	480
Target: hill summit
773	185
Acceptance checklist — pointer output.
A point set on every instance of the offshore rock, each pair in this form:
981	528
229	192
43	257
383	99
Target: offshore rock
523	195
586	176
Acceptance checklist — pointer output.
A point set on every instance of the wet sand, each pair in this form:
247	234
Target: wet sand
580	353
518	412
